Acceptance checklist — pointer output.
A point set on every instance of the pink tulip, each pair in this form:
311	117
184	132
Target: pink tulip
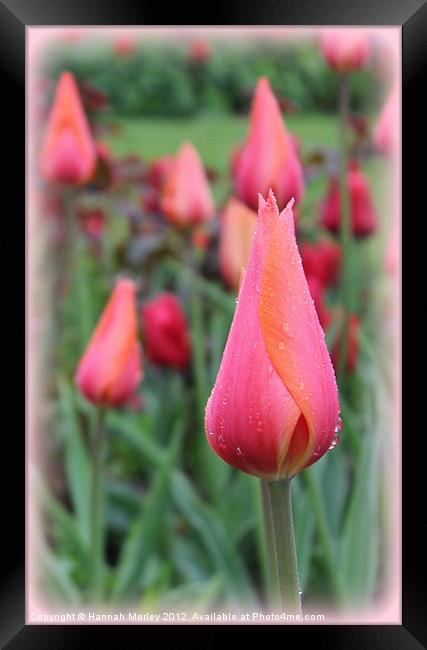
238	225
68	151
110	368
274	407
187	198
345	49
268	159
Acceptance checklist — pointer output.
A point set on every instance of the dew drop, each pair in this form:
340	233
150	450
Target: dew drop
281	345
211	433
221	441
238	451
334	442
301	385
339	425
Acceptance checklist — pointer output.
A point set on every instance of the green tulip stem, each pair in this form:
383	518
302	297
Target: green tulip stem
97	507
279	493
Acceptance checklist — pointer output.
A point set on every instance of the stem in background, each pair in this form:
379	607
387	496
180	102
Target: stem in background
345	224
97	507
79	282
279	493
318	505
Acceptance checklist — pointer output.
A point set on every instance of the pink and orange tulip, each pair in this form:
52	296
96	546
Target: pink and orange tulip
274	407
186	198
345	50
268	158
68	154
110	368
238	224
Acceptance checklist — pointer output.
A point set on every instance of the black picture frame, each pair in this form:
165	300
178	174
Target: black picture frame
15	16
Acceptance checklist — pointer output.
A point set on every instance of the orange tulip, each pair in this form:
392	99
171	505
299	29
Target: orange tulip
187	198
268	159
274	407
110	368
68	152
238	225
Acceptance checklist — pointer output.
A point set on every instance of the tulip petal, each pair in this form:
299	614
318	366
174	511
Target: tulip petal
295	340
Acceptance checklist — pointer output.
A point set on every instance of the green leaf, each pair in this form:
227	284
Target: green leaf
207	523
77	465
148	528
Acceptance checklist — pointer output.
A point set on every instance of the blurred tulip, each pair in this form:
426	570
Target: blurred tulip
159	171
268	159
200	238
238	224
124	45
68	151
187	198
200	51
352	345
166	338
345	50
274	407
387	128
110	368
363	215
322	260
92	220
317	293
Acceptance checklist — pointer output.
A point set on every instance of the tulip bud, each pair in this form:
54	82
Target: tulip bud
110	369
166	339
268	159
362	211
322	260
238	224
352	345
274	407
68	152
187	198
345	50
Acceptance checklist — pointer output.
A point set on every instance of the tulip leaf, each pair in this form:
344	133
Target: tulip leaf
148	527
213	534
77	466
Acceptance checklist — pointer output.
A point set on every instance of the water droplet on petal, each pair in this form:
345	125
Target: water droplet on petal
238	451
281	345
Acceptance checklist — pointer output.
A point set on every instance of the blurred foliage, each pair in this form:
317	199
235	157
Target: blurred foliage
164	80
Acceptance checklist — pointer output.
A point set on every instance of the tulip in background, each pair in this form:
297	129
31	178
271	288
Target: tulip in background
352	348
268	158
317	291
322	260
187	198
68	154
108	374
274	407
238	224
110	368
166	337
345	50
363	216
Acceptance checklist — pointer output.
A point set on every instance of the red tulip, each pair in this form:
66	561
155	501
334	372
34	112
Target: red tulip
352	345
322	260
124	45
68	152
274	407
362	211
238	224
387	130
200	51
345	49
166	337
187	198
317	293
110	369
268	159
159	171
